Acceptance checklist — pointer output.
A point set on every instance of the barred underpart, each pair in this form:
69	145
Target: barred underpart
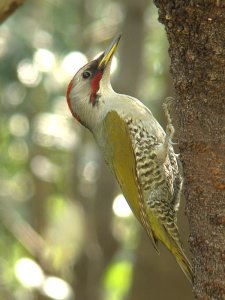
160	180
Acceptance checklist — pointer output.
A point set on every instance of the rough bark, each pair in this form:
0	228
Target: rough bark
8	7
195	31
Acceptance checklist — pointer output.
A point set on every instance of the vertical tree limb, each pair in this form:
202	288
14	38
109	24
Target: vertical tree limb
195	31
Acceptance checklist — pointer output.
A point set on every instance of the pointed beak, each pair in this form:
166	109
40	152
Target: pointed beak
107	55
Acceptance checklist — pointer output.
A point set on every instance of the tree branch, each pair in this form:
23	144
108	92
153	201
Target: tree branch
8	7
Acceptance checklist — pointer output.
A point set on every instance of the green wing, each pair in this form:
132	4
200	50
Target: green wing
121	158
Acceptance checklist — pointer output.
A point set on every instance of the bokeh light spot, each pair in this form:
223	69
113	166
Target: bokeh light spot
120	207
44	60
42	39
73	62
29	273
54	130
57	288
19	125
43	168
28	74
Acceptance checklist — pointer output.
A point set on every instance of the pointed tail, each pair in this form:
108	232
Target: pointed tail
183	262
175	247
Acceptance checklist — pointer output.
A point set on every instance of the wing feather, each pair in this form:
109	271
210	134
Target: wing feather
121	158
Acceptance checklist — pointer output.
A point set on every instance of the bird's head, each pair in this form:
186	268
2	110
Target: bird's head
85	89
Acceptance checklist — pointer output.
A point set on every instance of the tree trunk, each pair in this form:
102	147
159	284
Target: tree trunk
195	31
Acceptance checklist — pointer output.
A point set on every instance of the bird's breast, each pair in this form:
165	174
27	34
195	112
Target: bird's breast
144	144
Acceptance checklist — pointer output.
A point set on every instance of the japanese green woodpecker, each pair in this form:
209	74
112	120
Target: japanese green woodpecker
136	148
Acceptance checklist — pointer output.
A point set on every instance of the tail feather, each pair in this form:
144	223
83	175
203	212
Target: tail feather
168	234
174	245
184	264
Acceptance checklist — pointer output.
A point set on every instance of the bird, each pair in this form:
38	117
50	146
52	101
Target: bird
136	148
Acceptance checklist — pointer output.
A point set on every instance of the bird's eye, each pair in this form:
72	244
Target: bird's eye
86	74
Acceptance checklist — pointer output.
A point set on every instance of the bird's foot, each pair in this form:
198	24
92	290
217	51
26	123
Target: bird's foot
170	130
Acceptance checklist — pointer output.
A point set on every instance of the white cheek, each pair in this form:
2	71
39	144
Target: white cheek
73	94
78	90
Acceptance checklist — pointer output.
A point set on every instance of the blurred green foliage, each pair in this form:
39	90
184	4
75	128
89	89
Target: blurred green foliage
117	279
50	168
